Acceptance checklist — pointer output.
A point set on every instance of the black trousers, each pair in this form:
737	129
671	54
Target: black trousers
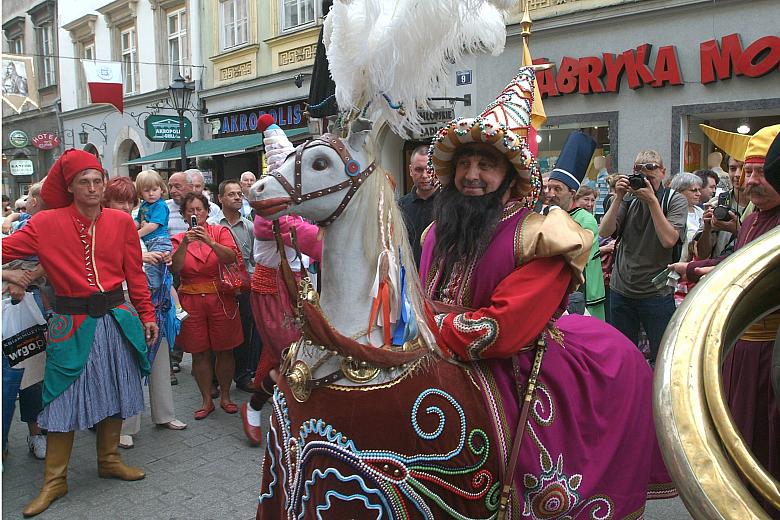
247	355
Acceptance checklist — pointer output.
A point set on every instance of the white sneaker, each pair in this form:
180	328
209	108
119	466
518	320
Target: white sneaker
126	441
37	445
181	314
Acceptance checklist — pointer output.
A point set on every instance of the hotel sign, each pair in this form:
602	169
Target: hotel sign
166	128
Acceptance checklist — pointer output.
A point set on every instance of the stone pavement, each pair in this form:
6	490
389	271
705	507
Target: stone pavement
207	471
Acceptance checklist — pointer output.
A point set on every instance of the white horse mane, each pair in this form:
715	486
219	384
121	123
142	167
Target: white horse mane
375	202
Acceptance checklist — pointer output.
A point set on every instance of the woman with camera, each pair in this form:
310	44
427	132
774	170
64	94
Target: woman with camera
201	256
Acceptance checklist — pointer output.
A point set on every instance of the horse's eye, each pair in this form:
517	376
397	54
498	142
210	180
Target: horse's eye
319	164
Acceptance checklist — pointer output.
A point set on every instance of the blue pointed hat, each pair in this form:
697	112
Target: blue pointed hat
572	164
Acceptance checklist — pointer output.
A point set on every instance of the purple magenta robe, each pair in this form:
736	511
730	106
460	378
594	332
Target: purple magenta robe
590	447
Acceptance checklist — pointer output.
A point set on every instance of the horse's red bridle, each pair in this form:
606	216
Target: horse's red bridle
355	176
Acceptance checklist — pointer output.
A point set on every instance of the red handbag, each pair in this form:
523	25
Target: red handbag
233	277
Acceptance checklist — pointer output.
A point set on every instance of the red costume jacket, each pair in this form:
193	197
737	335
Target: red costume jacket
81	257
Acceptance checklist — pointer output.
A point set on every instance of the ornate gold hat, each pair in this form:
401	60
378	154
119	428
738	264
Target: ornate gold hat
505	124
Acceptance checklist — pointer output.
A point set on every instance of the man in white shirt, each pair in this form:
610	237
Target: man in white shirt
179	185
247	180
198	182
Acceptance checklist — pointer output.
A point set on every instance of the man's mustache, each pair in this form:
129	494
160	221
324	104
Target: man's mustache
474	184
755	190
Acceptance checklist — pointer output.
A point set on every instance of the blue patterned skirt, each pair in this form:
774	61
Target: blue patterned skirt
109	385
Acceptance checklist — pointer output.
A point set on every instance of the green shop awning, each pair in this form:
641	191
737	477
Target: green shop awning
210	147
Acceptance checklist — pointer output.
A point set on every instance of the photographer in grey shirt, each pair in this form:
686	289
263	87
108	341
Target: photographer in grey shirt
648	224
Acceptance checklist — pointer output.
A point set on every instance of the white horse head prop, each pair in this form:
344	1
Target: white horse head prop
333	182
338	169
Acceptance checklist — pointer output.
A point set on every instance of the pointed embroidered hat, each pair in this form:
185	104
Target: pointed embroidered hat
505	124
572	163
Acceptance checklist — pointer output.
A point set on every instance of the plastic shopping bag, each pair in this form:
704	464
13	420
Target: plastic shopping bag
24	338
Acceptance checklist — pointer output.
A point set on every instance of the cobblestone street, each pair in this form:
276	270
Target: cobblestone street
207	471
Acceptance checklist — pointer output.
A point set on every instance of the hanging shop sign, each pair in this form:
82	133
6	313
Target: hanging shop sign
432	121
166	128
46	141
286	115
18	139
718	62
21	167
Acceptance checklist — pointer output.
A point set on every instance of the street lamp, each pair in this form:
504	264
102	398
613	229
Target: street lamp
180	94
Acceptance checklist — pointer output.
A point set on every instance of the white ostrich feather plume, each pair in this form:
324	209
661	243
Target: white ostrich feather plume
403	48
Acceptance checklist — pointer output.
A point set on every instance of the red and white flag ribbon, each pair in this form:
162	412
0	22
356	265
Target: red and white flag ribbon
104	80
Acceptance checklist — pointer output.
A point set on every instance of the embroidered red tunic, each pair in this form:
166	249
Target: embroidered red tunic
81	257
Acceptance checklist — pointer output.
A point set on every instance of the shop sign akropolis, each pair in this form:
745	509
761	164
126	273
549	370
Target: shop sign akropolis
286	115
166	128
718	62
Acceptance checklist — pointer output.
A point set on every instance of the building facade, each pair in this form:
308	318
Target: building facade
259	55
32	138
642	74
153	39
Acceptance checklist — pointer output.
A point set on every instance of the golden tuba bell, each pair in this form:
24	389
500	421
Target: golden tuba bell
703	450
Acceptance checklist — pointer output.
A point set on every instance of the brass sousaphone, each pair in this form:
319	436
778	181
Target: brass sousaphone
704	451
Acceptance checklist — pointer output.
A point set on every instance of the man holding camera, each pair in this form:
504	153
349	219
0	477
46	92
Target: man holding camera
648	225
726	212
747	367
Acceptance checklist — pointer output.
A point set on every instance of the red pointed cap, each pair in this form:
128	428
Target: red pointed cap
55	189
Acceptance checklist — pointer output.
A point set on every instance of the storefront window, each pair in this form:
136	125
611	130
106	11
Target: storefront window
550	141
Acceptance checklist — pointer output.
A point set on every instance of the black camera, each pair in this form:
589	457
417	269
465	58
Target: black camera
193	222
636	180
721	211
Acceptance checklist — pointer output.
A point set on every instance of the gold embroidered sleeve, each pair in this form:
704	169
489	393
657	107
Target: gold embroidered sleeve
555	234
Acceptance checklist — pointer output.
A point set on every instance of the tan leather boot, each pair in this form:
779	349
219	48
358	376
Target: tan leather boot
110	465
54	476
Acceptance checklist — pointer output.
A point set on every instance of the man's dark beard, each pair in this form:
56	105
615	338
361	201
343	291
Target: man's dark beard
465	224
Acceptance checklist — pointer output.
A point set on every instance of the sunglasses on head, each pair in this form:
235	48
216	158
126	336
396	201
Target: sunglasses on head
646	166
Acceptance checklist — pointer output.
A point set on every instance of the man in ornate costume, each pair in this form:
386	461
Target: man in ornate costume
747	367
498	276
565	179
97	344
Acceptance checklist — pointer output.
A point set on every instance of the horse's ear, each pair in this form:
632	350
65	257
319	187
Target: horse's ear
358	132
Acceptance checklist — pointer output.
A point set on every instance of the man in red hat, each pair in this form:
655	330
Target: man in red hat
97	344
